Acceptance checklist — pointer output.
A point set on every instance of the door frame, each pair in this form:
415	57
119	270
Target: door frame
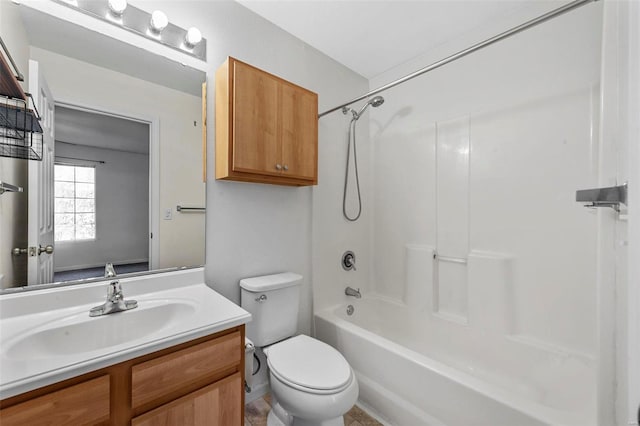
154	167
40	203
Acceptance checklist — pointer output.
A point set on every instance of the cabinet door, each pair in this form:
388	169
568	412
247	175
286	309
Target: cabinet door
299	118
256	145
219	404
164	378
86	403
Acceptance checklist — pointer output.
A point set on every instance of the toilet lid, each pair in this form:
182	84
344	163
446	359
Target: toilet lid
307	362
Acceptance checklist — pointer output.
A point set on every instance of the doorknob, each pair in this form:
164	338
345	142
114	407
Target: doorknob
48	249
18	251
32	251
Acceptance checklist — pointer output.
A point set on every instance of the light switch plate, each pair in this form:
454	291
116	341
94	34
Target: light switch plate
167	214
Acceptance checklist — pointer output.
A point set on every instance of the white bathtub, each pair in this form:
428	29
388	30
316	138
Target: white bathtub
418	369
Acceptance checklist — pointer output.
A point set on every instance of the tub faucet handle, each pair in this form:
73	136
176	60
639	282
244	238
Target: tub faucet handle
349	261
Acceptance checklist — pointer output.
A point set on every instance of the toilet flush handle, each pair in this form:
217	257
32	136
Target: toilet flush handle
262	298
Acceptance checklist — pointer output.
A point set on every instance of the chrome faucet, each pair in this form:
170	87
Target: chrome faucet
115	299
350	291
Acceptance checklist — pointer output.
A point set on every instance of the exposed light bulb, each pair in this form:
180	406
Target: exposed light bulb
117	7
193	37
159	21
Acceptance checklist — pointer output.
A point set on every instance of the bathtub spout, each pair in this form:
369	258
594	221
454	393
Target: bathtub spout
349	291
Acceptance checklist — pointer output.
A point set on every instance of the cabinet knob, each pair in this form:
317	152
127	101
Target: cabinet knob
278	167
286	167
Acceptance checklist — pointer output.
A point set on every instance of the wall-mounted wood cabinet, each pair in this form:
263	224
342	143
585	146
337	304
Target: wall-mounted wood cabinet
195	383
266	127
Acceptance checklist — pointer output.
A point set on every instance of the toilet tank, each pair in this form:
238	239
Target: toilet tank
273	302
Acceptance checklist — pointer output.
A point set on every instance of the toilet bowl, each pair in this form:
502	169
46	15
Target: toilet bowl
311	383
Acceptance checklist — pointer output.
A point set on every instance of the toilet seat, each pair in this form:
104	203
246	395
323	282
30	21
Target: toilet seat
309	365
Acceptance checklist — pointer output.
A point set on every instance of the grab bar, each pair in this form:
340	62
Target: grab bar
190	209
461	260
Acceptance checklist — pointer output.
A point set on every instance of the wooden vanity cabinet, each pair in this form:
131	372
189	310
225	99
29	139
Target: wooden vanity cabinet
211	405
80	404
197	383
266	127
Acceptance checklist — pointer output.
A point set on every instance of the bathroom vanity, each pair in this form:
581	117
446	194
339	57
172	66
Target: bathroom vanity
178	360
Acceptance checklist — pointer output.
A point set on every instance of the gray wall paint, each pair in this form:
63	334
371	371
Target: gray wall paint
122	209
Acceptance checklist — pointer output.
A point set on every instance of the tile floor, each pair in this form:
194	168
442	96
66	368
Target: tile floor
255	414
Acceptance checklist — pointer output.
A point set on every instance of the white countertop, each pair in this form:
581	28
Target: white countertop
25	365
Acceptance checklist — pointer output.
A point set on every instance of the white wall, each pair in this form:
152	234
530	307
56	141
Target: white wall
484	155
79	83
122	209
255	229
13	207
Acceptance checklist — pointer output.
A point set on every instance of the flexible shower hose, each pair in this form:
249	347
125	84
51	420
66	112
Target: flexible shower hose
352	131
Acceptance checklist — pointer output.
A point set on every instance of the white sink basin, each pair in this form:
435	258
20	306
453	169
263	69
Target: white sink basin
47	335
80	333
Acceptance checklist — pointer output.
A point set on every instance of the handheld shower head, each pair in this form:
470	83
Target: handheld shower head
375	102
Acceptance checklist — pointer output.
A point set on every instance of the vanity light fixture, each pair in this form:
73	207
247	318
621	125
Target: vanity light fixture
117	7
158	22
153	26
193	37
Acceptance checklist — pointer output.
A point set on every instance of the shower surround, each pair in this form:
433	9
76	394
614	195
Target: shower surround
477	266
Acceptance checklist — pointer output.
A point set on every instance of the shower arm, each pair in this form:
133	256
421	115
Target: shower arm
488	42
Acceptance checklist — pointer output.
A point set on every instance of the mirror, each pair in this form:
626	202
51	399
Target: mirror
127	152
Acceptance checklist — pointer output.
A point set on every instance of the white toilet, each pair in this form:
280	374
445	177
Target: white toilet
311	382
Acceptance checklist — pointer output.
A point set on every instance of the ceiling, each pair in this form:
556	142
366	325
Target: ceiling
372	36
86	128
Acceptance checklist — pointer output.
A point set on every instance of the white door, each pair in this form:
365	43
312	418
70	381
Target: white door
40	261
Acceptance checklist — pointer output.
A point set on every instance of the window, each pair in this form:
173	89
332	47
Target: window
75	203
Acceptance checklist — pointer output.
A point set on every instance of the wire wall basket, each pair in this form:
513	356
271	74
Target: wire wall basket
20	130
